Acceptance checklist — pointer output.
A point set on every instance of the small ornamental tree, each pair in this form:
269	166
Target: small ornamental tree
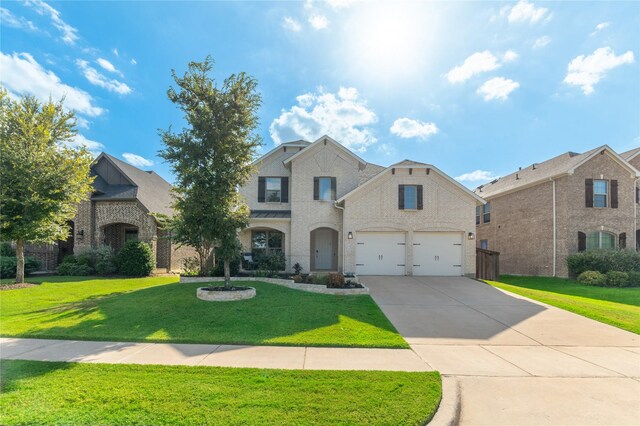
211	158
42	180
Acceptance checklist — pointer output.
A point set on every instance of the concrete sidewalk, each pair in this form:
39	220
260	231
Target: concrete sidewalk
285	357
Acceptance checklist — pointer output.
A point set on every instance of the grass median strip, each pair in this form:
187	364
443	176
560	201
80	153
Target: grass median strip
619	307
36	392
160	309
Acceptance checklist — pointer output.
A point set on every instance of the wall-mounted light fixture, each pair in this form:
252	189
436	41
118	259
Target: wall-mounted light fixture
80	233
350	235
471	236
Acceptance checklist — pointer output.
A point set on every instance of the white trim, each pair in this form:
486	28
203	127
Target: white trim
422	166
276	148
612	153
322	139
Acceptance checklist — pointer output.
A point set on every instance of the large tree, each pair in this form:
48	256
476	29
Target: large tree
42	179
211	158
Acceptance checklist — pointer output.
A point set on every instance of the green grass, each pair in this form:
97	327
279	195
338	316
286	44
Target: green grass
161	310
48	393
619	307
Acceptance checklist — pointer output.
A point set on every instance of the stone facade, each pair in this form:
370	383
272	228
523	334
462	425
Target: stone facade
521	226
447	207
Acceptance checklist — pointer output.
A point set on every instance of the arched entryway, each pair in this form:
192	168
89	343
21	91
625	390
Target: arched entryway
324	249
117	234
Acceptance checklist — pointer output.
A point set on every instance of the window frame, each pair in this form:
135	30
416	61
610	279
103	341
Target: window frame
600	235
329	180
267	190
486	213
478	215
484	244
131	231
267	250
599	194
415	197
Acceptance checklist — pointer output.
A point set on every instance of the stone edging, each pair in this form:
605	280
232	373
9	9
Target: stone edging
225	296
311	288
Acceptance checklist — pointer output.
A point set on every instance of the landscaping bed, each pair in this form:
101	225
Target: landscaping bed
619	307
36	392
158	309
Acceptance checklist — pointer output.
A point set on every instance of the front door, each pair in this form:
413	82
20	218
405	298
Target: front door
324	250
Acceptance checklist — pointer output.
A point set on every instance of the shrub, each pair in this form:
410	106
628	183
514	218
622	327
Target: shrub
135	259
309	279
297	269
603	261
634	279
104	260
592	278
74	269
617	279
8	266
6	250
271	263
297	278
336	280
190	266
85	257
322	279
234	267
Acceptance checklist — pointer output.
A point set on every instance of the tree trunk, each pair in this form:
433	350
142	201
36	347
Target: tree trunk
227	274
20	261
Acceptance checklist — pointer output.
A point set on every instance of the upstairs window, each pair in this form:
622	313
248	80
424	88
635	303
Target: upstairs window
600	193
477	215
484	244
324	188
410	197
273	189
486	213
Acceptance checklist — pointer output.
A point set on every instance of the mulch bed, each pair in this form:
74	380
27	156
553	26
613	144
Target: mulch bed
15	286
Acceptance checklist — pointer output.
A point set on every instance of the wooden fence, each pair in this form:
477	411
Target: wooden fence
487	264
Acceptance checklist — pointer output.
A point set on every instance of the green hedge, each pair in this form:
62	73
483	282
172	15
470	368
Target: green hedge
135	259
604	261
8	266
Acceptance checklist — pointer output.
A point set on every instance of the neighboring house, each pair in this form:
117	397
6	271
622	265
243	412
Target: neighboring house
327	209
538	215
119	210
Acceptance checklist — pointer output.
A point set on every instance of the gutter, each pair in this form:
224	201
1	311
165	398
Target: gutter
335	204
555	230
635	212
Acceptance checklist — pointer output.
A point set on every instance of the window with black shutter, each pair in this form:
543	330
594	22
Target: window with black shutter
324	188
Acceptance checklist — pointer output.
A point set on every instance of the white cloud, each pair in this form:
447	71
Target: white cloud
476	176
9	19
22	75
93	146
601	26
340	4
586	71
524	11
291	24
318	22
100	80
509	56
136	160
69	33
115	52
541	42
475	64
408	128
343	116
134	62
106	65
497	88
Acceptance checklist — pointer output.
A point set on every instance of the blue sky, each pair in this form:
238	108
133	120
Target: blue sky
475	88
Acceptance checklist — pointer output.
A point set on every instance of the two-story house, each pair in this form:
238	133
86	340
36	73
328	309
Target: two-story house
540	214
327	209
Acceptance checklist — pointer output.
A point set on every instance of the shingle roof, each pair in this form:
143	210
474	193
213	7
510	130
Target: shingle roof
150	189
630	154
538	172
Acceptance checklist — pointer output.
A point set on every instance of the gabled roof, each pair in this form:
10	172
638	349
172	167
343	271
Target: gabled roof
563	164
146	186
321	140
630	155
295	144
408	164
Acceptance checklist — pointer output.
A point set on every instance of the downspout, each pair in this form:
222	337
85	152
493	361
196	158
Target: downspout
635	212
555	231
335	204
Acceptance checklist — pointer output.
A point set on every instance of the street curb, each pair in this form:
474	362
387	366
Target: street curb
448	413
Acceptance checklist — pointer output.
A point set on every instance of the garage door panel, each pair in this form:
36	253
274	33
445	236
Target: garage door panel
380	253
437	253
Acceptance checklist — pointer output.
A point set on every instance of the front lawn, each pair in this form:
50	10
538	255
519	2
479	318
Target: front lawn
619	307
34	392
159	309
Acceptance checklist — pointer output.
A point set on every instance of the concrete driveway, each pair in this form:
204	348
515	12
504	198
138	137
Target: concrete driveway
515	360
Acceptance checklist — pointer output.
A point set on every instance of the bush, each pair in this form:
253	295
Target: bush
85	257
617	279
336	281
322	279
135	259
234	267
592	278
297	269
74	269
190	266
297	278
8	266
634	279
309	279
104	260
603	261
6	250
271	263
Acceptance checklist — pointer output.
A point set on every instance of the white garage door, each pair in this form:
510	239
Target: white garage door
437	253
380	253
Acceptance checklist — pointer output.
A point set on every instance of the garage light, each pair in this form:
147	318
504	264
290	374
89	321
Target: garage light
350	235
471	236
